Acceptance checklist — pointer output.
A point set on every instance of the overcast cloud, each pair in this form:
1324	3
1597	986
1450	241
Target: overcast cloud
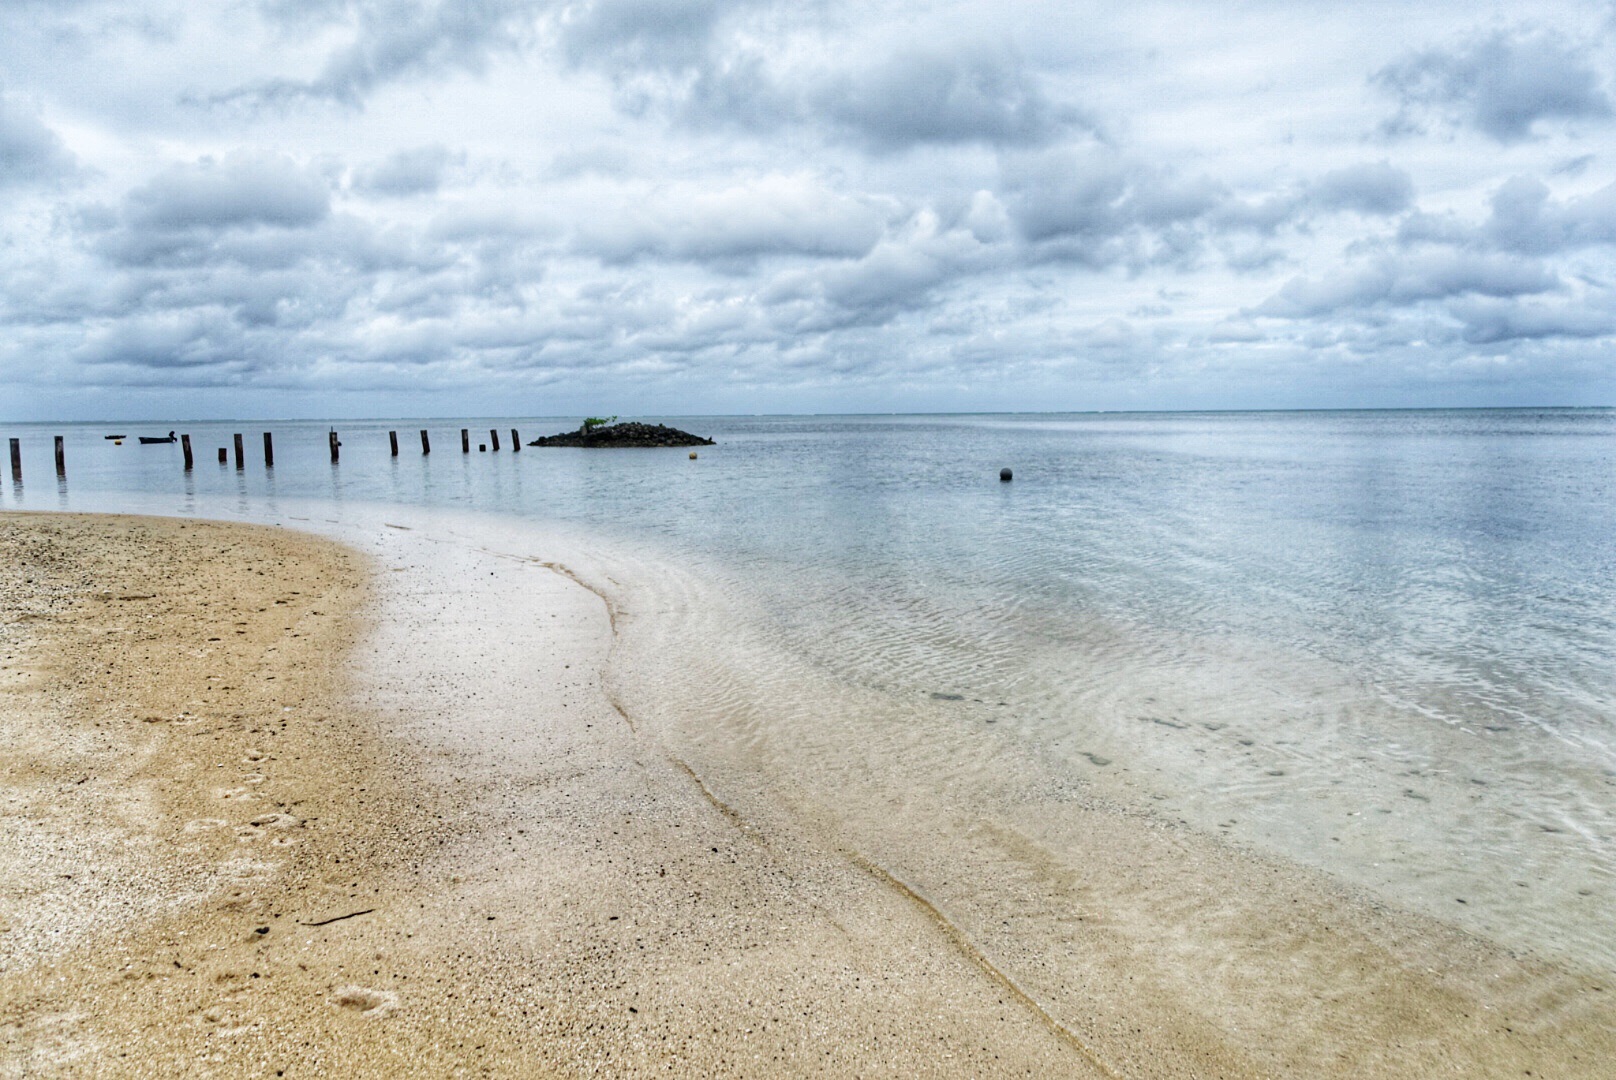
357	207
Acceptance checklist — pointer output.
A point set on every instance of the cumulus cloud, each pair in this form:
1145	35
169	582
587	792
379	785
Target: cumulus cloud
395	40
1489	322
414	171
1377	188
635	35
773	215
30	152
1525	218
1099	208
971	93
1503	84
694	61
903	272
1397	280
242	189
734	194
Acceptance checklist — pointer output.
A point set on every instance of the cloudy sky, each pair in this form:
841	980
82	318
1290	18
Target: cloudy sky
439	207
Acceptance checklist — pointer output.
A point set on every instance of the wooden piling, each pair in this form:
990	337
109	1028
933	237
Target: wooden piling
61	458
392	440
426	444
224	455
269	451
241	455
185	446
465	441
516	441
332	439
16	460
493	437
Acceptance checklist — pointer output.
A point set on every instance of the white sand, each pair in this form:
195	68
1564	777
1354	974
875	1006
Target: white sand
525	881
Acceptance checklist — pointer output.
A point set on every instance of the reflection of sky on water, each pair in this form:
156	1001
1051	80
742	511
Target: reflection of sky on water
1364	604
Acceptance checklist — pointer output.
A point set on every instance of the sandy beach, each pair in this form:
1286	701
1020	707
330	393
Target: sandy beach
276	807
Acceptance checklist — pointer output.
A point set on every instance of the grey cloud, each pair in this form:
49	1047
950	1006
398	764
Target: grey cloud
1368	189
1401	280
1488	322
1503	84
30	152
901	273
1102	208
1376	189
1524	218
301	12
403	39
415	171
1097	208
183	339
241	190
775	215
684	58
968	94
635	35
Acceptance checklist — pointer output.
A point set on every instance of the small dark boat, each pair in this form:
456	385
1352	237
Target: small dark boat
147	440
119	438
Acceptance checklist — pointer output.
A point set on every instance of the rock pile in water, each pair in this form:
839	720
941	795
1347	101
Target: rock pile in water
629	434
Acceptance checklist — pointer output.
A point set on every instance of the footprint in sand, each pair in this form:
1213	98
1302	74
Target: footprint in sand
205	824
275	821
366	1002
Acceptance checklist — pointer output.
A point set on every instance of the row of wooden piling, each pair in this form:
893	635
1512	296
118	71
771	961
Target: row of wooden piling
269	449
16	459
465	442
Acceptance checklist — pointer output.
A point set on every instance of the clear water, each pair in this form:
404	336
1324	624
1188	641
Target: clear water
1378	643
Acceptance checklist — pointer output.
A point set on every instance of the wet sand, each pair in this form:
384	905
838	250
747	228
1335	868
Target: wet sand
276	807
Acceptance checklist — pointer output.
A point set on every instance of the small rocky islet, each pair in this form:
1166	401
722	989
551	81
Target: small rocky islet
625	434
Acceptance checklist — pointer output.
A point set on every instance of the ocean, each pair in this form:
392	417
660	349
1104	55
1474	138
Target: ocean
1380	645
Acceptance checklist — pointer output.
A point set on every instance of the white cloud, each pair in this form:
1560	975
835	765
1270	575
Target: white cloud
875	200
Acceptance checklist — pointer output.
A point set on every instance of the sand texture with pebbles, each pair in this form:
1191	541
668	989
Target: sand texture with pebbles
277	807
223	858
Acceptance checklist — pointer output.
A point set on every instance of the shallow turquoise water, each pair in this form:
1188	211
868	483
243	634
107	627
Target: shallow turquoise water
1382	643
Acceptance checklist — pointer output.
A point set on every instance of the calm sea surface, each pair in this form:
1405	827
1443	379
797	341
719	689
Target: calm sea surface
1379	643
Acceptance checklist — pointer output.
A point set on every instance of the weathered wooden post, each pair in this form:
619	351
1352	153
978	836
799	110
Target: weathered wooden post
332	439
516	441
465	441
61	458
185	447
241	455
223	455
392	440
493	437
269	451
16	460
426	444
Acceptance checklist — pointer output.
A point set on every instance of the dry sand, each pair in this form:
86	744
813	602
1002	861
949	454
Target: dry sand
190	804
251	831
